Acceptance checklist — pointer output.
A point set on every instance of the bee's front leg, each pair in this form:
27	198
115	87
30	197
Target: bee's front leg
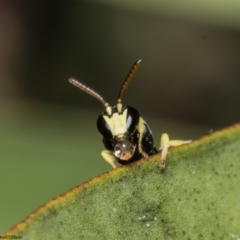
109	157
165	143
141	130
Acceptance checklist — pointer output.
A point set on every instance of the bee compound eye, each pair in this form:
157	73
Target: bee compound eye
132	118
103	127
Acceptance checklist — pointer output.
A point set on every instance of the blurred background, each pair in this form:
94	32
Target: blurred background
188	84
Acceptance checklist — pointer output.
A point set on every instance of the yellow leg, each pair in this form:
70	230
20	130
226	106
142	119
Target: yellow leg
145	156
109	157
141	129
165	143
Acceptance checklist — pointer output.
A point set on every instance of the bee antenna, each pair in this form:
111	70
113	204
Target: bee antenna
88	90
128	79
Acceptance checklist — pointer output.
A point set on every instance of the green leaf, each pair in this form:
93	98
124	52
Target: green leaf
197	197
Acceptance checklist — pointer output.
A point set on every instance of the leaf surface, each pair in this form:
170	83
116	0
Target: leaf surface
196	197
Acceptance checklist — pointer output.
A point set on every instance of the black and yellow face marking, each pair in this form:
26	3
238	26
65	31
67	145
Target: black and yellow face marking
126	136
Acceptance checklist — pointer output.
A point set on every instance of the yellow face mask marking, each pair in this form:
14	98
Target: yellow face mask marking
117	123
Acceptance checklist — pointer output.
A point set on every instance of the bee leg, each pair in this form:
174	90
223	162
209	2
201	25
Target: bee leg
141	129
165	143
145	155
109	157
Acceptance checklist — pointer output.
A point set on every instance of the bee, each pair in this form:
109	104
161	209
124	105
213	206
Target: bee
126	135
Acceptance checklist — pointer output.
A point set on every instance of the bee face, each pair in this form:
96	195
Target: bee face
119	127
118	123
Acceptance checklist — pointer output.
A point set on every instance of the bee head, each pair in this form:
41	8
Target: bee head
115	122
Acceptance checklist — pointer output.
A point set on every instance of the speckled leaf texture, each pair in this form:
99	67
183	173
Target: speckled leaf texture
197	197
